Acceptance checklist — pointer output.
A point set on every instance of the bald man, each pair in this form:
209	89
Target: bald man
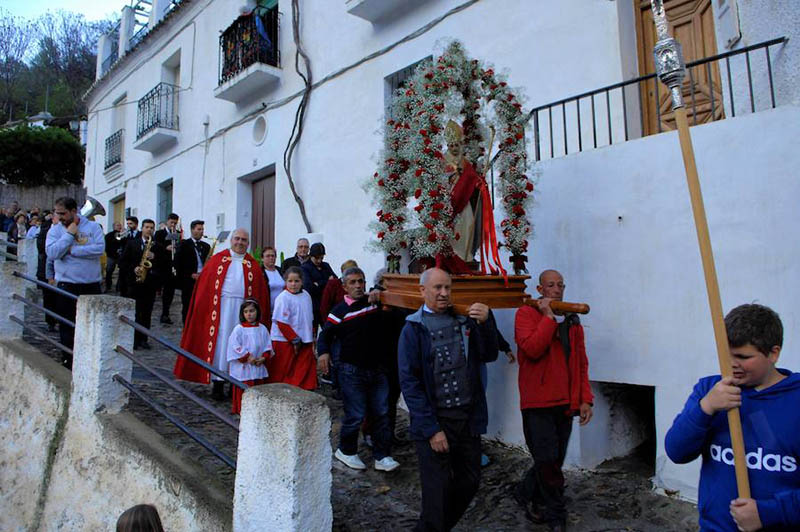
225	281
439	359
553	388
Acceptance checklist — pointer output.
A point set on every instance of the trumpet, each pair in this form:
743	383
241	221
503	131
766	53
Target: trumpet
124	234
145	264
213	244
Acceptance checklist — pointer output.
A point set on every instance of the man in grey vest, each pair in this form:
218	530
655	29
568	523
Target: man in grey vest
439	359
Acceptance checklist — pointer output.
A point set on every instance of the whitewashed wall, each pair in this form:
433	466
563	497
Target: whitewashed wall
617	223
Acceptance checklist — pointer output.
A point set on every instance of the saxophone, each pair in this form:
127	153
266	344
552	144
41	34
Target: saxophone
145	264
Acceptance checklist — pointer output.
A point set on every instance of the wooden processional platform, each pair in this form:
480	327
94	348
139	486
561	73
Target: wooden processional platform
403	291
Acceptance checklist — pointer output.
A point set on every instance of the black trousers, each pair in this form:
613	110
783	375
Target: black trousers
145	296
547	432
167	294
449	480
66	307
187	286
50	302
111	265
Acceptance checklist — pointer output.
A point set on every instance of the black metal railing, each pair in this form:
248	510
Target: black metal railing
180	389
149	401
109	61
8	255
250	39
113	149
36	331
619	112
158	108
137	37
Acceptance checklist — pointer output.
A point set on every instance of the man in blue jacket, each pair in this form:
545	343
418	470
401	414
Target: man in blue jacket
439	359
768	399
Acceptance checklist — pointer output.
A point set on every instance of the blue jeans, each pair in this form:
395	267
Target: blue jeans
364	392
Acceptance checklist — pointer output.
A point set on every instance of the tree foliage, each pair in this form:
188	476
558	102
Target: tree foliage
33	156
48	63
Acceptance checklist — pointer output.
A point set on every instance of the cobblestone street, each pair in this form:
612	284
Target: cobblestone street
615	497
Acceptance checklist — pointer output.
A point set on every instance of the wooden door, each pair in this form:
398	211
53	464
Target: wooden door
692	23
263	213
119	212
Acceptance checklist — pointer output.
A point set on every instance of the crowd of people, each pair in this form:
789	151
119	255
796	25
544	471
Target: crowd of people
259	322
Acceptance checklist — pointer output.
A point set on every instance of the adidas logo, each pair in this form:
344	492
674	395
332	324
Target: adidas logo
756	459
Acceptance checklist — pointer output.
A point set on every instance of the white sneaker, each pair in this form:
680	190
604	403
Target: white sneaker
387	463
350	460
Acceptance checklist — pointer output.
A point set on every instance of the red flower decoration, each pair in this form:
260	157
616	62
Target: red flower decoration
418	193
423	132
380	182
529	186
518	210
418	208
435	215
403	245
433	193
432	237
458	236
438	206
381	235
418	172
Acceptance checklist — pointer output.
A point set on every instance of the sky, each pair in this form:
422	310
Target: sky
91	9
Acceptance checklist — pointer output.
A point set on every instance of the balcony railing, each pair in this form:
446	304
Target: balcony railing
713	89
250	39
158	108
109	61
113	149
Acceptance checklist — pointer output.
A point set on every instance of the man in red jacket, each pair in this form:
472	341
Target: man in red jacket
553	388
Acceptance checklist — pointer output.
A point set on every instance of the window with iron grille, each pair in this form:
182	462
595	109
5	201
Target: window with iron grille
397	80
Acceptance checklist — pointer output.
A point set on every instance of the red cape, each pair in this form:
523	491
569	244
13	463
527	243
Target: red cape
202	321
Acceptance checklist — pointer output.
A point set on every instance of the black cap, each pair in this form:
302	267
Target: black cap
317	249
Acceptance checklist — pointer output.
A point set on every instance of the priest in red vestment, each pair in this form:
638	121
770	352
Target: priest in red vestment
226	280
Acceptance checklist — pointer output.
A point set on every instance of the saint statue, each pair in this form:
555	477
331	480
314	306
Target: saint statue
464	193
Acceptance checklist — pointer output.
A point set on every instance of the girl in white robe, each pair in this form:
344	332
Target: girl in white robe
249	349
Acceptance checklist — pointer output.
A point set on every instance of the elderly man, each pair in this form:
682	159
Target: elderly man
299	258
75	246
553	388
226	280
439	358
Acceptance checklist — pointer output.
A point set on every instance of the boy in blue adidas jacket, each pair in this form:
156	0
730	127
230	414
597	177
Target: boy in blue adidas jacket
769	401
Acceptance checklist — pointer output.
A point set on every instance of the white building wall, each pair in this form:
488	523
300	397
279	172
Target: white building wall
617	223
550	49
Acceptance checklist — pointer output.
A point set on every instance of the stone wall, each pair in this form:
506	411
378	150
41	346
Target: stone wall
41	196
62	471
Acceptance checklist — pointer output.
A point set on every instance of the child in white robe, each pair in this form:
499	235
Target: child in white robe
293	339
249	348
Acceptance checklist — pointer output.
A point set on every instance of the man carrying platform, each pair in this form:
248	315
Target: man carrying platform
553	388
439	358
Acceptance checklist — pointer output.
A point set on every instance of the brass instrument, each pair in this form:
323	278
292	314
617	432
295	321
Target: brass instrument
145	264
213	244
92	208
123	234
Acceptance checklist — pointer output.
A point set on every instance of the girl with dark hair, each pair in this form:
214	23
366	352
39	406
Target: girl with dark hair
249	348
140	518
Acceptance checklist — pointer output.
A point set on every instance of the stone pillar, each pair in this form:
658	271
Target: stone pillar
283	469
126	25
98	330
102	53
157	11
27	253
11	285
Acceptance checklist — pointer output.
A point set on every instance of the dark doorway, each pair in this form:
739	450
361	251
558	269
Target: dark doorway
263	213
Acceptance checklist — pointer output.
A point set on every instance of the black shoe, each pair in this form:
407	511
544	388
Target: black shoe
325	378
218	390
165	320
528	507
